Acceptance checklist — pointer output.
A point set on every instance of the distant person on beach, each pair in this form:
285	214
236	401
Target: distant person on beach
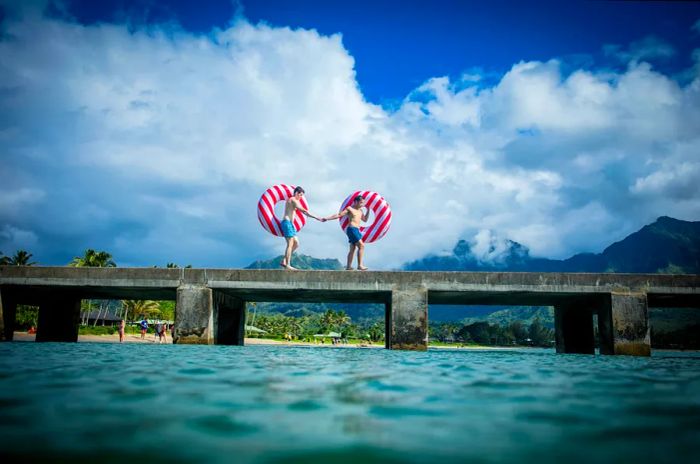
144	328
159	327
356	215
172	332
163	331
121	330
290	234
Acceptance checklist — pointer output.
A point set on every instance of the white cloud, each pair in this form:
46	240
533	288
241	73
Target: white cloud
648	49
156	143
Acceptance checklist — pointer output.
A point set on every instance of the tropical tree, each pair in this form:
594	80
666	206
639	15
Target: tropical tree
4	260
93	258
376	331
140	307
175	266
21	258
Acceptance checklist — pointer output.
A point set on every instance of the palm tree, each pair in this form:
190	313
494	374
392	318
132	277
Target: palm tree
93	258
145	307
21	258
328	320
4	260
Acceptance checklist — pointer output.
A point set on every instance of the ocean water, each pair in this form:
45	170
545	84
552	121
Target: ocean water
90	402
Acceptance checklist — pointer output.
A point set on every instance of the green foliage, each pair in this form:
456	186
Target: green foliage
97	330
20	258
167	309
93	258
484	333
140	308
27	316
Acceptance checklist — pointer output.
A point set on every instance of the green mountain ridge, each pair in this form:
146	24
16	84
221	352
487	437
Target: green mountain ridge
668	245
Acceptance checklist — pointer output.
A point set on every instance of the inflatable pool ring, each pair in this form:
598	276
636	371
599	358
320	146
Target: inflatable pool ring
382	215
266	209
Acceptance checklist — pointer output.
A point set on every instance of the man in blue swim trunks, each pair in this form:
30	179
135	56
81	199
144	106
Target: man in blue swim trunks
355	214
290	234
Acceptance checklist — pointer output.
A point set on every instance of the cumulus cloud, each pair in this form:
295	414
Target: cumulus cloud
155	144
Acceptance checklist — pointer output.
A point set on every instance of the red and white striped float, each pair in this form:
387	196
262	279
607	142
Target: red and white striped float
266	209
382	215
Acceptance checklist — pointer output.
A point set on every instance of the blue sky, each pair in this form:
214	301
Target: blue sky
150	129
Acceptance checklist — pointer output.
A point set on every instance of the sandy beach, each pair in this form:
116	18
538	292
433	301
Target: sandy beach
136	338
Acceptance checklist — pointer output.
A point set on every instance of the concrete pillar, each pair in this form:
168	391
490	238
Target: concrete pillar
59	318
8	314
573	326
229	319
623	325
194	321
407	319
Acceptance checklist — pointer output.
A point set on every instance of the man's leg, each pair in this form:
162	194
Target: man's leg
288	251
292	244
351	254
360	255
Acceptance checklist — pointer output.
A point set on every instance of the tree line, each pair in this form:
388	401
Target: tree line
95	310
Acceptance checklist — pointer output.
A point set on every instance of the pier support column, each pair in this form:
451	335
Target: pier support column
623	325
573	324
59	318
8	314
407	319
194	319
229	319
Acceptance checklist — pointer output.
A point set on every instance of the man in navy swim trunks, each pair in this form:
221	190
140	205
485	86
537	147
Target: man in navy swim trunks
355	214
288	230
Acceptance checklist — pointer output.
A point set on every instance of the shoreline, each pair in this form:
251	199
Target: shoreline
136	338
150	339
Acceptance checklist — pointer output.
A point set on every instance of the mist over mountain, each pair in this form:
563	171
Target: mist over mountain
666	246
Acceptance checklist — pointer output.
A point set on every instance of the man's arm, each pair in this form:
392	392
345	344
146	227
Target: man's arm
365	216
304	210
337	216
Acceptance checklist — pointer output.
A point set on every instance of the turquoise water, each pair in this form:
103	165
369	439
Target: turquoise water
169	403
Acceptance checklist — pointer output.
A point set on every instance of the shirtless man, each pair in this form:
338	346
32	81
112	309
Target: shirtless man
288	230
356	215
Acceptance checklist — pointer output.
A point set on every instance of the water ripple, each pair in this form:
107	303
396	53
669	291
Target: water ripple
77	402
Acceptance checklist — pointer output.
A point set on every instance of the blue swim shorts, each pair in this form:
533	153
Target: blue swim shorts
288	229
354	234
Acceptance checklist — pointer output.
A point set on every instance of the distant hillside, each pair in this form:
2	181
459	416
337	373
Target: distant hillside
300	262
668	245
305	262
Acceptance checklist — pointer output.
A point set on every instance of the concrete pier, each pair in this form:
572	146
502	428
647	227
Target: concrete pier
623	324
194	318
210	306
408	319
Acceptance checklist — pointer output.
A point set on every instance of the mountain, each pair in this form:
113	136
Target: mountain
668	245
355	311
299	261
